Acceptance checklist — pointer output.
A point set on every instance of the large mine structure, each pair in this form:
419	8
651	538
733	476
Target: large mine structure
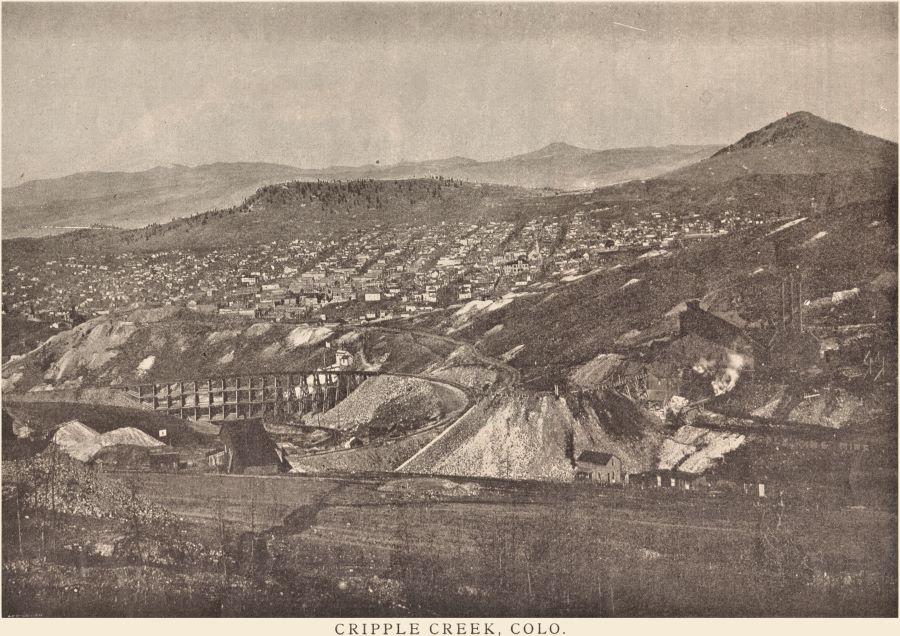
248	396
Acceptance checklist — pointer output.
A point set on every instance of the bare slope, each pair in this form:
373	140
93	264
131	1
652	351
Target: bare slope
161	345
522	435
387	402
799	143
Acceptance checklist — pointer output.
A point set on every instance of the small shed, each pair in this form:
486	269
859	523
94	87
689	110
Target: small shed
599	467
164	458
248	448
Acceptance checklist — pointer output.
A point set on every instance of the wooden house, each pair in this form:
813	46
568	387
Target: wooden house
599	467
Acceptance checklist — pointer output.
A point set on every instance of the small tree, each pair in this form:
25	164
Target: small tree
570	446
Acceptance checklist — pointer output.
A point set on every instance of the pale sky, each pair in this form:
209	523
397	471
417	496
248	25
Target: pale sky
131	86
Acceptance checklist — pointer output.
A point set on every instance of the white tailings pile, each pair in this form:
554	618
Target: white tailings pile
524	436
493	330
305	335
228	358
271	351
842	296
512	353
786	225
815	238
216	337
694	450
121	436
474	305
81	442
397	395
836	408
473	308
91	347
258	329
73	433
503	302
146	364
596	371
770	407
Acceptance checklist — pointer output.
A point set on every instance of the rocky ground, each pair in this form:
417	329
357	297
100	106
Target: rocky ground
387	402
53	481
152	345
519	434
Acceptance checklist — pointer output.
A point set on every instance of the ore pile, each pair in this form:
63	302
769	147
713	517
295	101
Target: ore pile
54	481
380	400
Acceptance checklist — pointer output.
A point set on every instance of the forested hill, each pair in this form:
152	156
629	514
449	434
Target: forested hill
300	208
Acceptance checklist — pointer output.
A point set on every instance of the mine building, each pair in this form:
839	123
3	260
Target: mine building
343	358
695	320
604	468
248	449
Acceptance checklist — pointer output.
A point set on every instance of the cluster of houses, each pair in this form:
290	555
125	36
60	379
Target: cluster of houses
385	271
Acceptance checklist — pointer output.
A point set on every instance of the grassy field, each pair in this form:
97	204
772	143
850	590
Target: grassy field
508	548
384	545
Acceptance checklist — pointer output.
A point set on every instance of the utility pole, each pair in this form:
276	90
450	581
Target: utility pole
53	461
252	532
222	538
783	304
792	300
19	515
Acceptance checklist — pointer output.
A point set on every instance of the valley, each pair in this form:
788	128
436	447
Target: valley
686	376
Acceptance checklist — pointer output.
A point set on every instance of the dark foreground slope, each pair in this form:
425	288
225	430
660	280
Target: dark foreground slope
413	546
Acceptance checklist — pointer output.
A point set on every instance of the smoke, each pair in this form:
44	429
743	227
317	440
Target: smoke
704	366
728	377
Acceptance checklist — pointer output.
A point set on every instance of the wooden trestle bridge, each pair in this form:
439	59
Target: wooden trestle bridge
248	396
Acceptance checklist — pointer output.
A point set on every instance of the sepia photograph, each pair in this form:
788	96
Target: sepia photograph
449	310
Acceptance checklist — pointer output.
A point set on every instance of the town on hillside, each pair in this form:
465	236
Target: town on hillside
418	318
381	273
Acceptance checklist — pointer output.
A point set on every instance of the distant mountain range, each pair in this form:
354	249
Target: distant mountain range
558	166
136	199
798	146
